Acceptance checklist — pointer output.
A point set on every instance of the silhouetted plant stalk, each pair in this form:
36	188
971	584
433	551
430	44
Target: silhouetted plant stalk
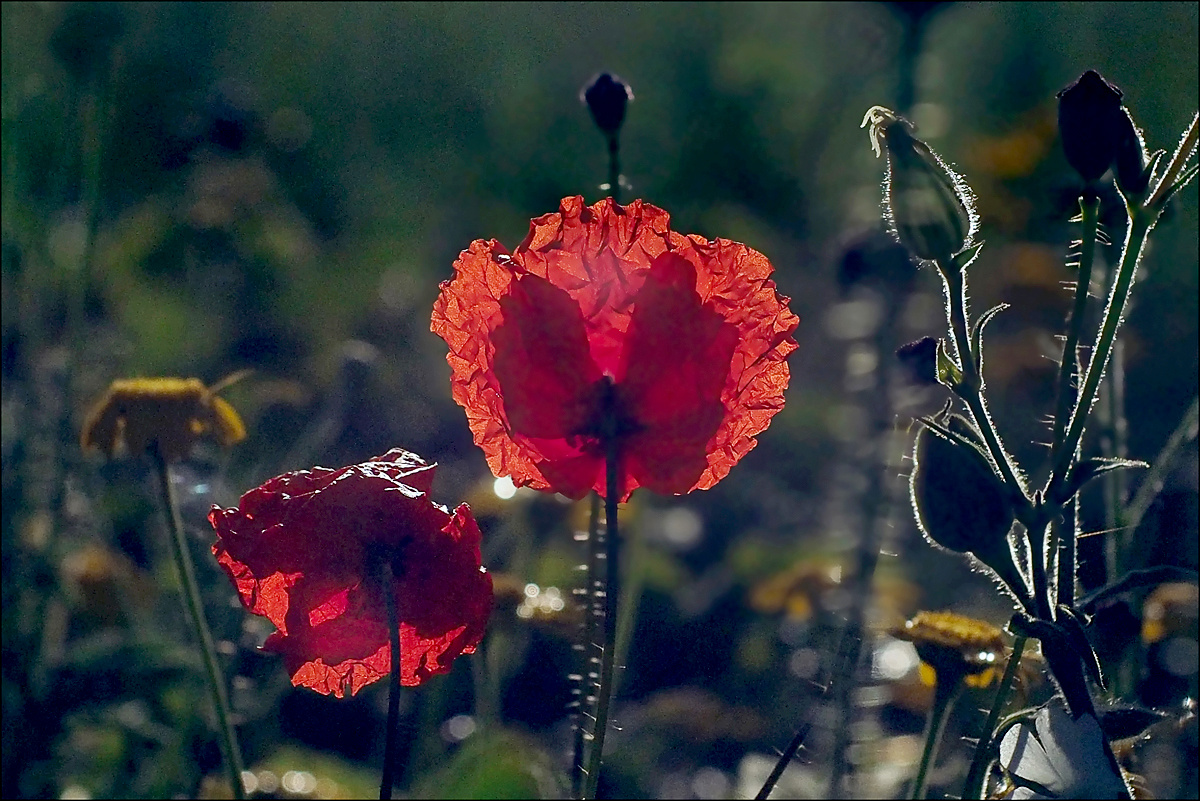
931	212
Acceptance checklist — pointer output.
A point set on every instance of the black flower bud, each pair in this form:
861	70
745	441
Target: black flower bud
920	360
960	502
1092	124
927	203
606	97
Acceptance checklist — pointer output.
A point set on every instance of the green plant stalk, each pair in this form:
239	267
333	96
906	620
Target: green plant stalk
1140	223
971	391
945	691
611	594
589	639
387	779
614	167
973	787
955	285
195	608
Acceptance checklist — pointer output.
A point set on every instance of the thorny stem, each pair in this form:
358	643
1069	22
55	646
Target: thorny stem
611	593
974	786
393	717
945	691
195	608
589	643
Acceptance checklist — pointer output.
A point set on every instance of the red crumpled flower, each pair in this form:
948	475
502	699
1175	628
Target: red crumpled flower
683	341
311	551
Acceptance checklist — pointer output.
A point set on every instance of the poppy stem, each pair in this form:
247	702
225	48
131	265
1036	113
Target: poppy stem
588	645
977	775
195	607
614	166
393	718
611	593
944	692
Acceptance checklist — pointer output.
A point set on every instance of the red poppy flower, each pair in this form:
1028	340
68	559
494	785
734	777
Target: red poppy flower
606	319
310	550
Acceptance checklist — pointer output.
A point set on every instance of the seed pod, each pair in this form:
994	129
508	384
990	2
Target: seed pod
960	502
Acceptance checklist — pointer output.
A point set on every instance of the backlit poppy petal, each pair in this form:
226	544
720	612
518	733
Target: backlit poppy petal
316	550
603	319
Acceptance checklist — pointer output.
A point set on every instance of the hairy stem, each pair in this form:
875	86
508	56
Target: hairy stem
590	618
977	775
944	693
611	594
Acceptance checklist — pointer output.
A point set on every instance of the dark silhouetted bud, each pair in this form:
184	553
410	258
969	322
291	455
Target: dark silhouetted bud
1132	175
606	97
927	203
960	502
920	360
1091	123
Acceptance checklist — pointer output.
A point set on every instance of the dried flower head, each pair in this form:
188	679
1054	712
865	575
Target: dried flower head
172	413
955	646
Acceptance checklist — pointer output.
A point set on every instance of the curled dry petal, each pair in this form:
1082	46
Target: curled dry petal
603	316
314	551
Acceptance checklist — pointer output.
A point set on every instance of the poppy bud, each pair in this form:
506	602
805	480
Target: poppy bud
1091	123
606	97
960	502
928	205
1132	176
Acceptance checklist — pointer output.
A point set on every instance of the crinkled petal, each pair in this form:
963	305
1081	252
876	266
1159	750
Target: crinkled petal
700	370
310	550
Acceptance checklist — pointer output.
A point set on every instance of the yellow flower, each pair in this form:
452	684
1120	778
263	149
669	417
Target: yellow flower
955	646
170	412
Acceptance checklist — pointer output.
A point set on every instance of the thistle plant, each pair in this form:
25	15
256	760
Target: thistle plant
969	495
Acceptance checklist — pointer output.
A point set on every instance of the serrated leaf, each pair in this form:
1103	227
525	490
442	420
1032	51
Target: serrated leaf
948	373
1084	471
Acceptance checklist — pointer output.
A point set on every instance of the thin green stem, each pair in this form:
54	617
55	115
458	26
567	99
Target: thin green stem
614	167
1140	224
976	776
611	593
944	693
195	608
393	717
589	644
1089	208
971	390
631	597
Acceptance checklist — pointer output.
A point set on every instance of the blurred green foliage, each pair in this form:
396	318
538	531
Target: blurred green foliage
191	189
